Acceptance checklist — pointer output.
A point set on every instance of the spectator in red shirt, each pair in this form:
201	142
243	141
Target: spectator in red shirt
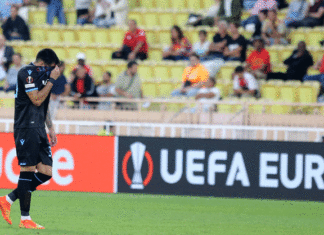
258	62
180	48
134	45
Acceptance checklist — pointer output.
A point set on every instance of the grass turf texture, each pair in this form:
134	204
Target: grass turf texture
96	213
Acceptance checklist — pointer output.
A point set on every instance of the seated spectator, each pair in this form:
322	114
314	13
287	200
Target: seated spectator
220	41
5	8
230	11
193	78
244	84
81	57
201	48
258	62
315	16
180	48
84	14
128	85
120	10
273	31
257	28
298	64
134	45
54	9
209	92
82	86
11	77
236	46
6	53
104	16
319	77
259	6
60	88
297	12
209	19
15	28
106	89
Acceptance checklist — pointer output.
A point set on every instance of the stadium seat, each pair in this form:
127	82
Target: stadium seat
71	17
308	92
138	16
101	36
29	52
280	109
270	91
288	93
166	19
37	16
68	4
181	18
73	50
194	4
151	19
165	37
60	52
148	4
116	36
68	36
149	90
161	72
227	70
151	37
155	54
274	55
163	4
38	35
178	4
145	72
314	36
298	35
176	72
92	53
85	36
208	3
165	89
105	52
54	35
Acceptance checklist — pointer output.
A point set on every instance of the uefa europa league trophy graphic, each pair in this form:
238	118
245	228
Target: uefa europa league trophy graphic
138	151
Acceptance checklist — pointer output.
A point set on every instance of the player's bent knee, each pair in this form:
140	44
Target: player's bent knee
44	169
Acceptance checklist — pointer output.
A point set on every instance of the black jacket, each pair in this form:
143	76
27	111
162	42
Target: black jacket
18	25
297	67
89	87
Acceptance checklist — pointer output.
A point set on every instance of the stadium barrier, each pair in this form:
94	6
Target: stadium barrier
221	168
77	161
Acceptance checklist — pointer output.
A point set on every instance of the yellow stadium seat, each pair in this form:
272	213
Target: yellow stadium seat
145	72
73	51
166	4
149	90
194	4
162	72
148	4
60	52
28	52
270	91
165	37
71	17
151	19
274	55
101	36
68	4
208	3
288	93
176	72
37	16
307	93
137	16
181	18
151	37
105	52
38	35
155	54
116	36
113	70
69	36
280	109
165	89
297	36
85	36
314	36
226	71
91	53
54	35
97	70
166	19
178	4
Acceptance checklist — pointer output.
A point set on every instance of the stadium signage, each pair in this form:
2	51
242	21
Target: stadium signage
255	169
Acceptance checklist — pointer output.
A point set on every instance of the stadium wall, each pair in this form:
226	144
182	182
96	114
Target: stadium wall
204	167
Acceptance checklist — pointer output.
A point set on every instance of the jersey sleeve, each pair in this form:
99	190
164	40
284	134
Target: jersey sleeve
141	36
27	77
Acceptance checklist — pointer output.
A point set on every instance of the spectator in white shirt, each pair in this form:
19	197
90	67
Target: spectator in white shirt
201	48
207	93
244	85
103	16
11	78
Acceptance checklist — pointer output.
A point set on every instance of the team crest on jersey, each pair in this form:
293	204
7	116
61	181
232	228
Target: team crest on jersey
30	79
29	72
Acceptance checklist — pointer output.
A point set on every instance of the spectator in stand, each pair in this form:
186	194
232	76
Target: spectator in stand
220	41
236	46
134	45
180	48
24	9
82	86
60	88
129	86
258	62
298	64
257	28
106	89
54	9
244	84
6	53
319	77
5	8
15	28
84	14
201	48
274	31
209	92
194	77
120	9
109	13
11	76
209	19
230	11
258	6
315	16
81	57
297	12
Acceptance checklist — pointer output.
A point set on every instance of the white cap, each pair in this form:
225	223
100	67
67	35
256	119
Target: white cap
81	56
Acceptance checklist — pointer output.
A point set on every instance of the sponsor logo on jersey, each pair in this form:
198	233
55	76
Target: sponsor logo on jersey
22	141
29	79
29	72
45	82
30	85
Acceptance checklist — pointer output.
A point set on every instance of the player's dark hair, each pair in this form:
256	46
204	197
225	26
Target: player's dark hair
48	56
195	55
204	32
239	69
108	73
131	64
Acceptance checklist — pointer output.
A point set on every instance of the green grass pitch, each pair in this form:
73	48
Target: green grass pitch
97	213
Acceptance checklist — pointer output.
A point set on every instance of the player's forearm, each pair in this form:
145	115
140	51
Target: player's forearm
138	47
41	95
48	120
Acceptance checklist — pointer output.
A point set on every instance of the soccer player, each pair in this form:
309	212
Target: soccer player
32	96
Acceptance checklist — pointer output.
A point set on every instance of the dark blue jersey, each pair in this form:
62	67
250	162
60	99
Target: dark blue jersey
28	115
